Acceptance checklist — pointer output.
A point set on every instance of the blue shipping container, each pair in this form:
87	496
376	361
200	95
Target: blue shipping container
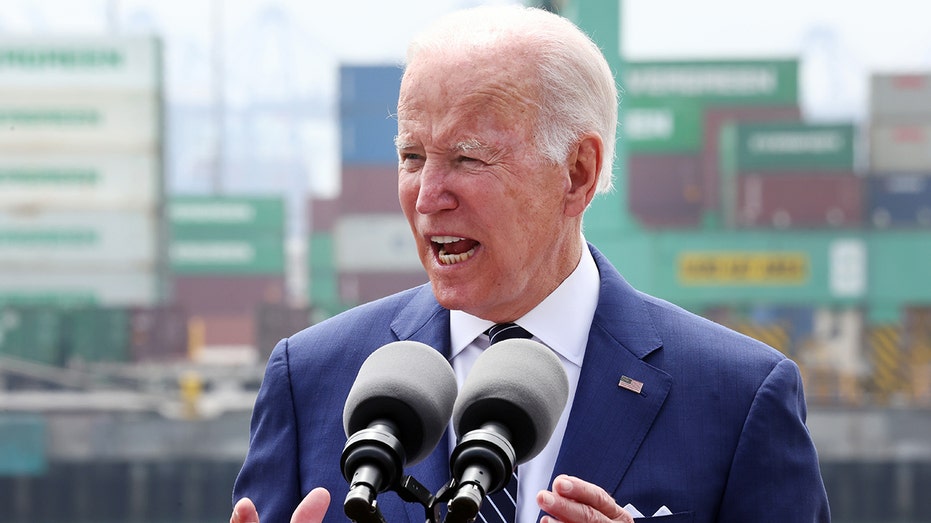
899	200
369	90
368	140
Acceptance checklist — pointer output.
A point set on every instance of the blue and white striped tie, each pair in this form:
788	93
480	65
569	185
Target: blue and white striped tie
501	506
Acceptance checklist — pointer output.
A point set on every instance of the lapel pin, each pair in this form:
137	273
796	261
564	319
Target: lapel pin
630	384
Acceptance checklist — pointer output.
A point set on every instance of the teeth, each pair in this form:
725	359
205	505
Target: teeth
445	239
450	259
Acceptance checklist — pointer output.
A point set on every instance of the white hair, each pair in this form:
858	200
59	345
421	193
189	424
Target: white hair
577	88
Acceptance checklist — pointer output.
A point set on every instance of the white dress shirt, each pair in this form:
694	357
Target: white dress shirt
561	322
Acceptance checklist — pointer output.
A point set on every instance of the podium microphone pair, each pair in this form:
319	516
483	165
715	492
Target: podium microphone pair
400	405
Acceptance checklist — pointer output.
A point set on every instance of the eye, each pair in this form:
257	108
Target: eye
469	159
407	158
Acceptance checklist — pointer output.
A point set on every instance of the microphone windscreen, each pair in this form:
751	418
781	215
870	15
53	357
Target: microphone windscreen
409	384
518	383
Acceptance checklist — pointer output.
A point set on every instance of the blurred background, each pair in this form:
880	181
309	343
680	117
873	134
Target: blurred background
184	183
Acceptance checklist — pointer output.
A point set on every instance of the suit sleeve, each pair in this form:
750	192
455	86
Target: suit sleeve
270	474
775	476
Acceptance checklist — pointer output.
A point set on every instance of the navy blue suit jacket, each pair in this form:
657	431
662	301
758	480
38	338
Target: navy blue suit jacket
717	433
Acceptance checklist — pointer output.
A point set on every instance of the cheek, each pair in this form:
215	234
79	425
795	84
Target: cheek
407	191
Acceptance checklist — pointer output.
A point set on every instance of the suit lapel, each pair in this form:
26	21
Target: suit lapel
424	320
608	423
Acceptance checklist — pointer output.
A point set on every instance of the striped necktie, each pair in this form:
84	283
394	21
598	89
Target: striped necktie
501	506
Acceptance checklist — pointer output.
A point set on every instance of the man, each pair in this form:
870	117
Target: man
506	123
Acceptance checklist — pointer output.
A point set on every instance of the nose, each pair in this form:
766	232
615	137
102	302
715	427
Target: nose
435	193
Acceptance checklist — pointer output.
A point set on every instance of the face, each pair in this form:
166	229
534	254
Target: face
492	218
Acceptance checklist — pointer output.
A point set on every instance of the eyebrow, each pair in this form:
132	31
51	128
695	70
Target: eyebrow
402	143
471	144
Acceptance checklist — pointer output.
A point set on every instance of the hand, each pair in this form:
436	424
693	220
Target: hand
311	509
577	501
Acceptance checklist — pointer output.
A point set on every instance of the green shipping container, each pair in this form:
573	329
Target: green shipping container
33	334
98	335
654	126
323	282
256	254
785	146
746	267
717	82
202	216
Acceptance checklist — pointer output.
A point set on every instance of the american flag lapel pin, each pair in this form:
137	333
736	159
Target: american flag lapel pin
630	384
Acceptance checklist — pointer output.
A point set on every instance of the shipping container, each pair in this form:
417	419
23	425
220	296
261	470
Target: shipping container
367	139
899	200
110	287
898	268
783	146
158	334
375	243
665	190
275	322
713	119
755	267
226	295
370	90
657	126
799	200
900	96
322	281
369	189
322	214
200	216
224	331
60	121
362	287
71	240
715	82
88	63
34	334
900	147
105	181
98	334
256	255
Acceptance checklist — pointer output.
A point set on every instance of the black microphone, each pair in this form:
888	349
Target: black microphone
504	416
395	414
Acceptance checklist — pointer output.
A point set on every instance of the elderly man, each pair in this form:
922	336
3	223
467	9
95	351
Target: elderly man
506	123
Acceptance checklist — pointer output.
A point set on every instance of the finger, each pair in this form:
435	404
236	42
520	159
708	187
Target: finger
244	512
573	499
313	507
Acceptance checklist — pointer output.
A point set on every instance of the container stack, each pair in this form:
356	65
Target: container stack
361	247
80	171
81	195
674	111
899	181
227	259
790	175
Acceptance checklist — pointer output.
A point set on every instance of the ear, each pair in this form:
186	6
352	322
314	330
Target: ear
584	164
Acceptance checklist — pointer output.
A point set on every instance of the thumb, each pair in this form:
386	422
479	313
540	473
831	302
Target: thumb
313	507
244	512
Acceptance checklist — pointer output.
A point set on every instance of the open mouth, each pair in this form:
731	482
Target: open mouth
452	249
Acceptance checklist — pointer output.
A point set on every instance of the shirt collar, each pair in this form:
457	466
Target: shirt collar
561	321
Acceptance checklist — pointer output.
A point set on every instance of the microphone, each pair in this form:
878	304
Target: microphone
504	416
395	414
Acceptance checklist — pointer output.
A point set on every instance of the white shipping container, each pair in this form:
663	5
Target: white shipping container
898	96
900	147
374	243
80	62
112	287
56	240
72	120
79	181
